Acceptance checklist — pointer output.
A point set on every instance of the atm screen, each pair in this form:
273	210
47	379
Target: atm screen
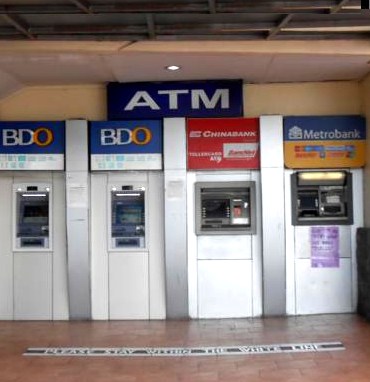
216	208
308	201
37	214
129	214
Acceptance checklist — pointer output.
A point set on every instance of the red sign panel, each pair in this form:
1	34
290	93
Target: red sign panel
221	143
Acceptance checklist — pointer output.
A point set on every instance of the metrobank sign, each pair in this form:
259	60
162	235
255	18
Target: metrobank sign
324	142
197	99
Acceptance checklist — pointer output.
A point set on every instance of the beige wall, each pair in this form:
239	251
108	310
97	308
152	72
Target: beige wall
313	98
89	101
366	111
55	103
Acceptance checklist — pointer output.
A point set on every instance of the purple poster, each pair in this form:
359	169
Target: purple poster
325	247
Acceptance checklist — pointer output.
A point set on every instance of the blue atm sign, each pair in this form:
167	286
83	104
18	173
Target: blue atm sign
126	145
32	145
195	99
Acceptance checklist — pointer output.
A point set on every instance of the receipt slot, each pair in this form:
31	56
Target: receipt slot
321	198
225	208
127	218
32	231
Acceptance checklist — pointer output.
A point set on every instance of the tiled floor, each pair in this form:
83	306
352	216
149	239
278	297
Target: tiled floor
351	365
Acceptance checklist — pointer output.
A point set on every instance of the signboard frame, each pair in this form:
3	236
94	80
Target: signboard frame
32	145
126	145
324	142
223	144
196	99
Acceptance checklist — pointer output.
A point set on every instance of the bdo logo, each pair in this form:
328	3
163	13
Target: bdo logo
41	137
123	136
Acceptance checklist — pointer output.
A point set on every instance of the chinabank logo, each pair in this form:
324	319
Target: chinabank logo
295	133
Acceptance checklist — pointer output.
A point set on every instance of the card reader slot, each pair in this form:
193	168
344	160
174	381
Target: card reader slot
32	242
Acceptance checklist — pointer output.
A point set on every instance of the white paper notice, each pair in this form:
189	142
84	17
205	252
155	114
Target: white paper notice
77	195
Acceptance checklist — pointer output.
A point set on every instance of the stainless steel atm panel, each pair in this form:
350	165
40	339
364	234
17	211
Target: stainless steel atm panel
225	208
321	198
32	220
127	224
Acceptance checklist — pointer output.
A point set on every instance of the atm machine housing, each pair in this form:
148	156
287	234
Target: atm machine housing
224	245
322	200
225	208
128	218
32	218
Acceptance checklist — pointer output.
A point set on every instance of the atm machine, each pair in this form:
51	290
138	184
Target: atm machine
225	241
225	208
127	220
32	217
320	241
324	156
33	261
127	234
224	233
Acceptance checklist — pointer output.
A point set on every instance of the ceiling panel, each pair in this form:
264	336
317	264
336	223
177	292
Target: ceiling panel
151	67
55	69
302	68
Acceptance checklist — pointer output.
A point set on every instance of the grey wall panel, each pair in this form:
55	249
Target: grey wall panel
99	248
157	300
77	193
175	245
6	255
60	277
272	182
257	251
358	221
175	218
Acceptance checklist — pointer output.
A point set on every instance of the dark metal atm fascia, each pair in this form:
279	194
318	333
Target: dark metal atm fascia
226	186
322	220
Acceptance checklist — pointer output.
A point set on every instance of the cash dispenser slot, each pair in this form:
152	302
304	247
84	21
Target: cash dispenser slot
32	221
128	218
225	208
322	197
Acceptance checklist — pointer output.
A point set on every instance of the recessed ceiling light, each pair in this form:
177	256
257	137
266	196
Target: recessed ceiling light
173	67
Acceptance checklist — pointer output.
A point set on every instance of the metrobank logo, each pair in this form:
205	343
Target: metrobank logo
295	133
41	137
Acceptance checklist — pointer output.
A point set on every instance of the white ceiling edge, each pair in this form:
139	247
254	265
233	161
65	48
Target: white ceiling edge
346	47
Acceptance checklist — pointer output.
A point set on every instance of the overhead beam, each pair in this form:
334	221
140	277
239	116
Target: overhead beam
153	30
252	36
279	27
18	24
339	6
221	6
212	6
151	26
83	5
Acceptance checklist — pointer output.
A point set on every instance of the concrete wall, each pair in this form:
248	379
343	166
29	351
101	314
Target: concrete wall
89	101
312	98
39	103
